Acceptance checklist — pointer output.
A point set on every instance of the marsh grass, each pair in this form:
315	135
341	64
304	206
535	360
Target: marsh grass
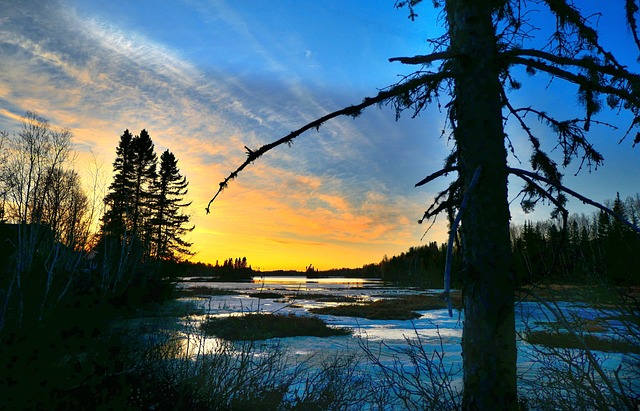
184	375
570	357
262	326
595	342
592	326
417	375
598	294
265	294
325	298
203	290
400	308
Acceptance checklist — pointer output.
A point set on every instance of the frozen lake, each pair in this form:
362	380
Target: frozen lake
435	329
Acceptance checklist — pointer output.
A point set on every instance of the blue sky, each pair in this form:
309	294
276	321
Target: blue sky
207	77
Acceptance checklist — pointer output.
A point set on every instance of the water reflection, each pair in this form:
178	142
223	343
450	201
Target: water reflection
314	280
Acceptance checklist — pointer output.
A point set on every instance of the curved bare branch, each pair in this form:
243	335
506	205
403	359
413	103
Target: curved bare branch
435	175
353	111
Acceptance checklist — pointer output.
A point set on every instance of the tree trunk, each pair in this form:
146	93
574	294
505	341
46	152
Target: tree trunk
488	343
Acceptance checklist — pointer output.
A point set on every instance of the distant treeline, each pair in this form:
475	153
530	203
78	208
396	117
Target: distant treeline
590	248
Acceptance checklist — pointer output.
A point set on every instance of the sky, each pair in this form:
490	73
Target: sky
208	77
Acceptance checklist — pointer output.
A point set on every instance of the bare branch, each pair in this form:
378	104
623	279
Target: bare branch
353	111
435	175
519	172
424	59
579	79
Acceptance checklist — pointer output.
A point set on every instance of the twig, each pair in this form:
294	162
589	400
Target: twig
560	317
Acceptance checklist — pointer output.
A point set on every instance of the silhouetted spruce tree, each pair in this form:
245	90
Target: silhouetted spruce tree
168	221
144	175
126	227
117	201
621	248
488	44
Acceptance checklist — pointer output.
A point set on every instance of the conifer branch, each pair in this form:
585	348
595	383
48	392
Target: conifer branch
439	205
631	8
353	111
585	62
542	192
567	14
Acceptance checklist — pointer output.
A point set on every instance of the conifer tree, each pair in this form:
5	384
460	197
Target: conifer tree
168	222
126	225
144	175
115	219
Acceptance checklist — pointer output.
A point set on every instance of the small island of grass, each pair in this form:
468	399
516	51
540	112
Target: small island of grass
262	326
604	343
401	308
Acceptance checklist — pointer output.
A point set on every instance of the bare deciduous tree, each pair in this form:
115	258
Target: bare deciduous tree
46	210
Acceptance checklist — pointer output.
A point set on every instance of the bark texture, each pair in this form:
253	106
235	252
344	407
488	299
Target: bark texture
488	344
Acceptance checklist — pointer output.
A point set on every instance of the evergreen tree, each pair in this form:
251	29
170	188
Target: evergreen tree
144	175
168	222
125	235
120	191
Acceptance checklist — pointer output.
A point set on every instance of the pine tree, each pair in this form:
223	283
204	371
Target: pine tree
168	221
